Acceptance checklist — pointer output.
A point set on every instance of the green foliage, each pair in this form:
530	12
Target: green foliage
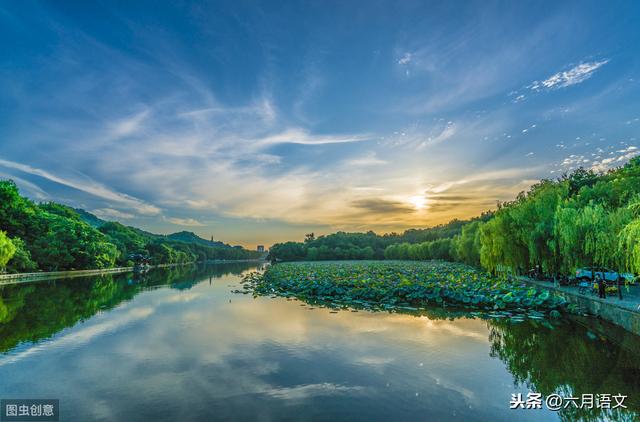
589	235
190	237
466	246
335	246
629	239
435	249
18	216
391	284
7	250
558	226
341	245
21	261
71	244
52	236
127	240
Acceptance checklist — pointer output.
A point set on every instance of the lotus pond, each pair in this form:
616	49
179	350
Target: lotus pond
405	286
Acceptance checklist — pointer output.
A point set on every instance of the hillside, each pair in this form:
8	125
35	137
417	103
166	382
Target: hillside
190	237
89	218
50	236
182	236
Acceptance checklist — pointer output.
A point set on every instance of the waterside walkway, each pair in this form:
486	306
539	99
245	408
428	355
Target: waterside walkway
54	275
625	312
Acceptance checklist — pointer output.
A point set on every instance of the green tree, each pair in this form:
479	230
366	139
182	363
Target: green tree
629	239
7	250
501	248
21	261
466	245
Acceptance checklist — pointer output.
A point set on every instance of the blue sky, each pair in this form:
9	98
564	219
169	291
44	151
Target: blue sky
261	121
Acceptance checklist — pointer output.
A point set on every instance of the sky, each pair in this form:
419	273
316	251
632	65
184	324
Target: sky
257	122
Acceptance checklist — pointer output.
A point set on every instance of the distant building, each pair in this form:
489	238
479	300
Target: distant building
260	248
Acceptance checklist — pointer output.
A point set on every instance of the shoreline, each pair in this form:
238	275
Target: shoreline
7	279
623	314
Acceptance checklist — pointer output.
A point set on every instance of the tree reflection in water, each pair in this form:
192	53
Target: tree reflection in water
36	311
571	359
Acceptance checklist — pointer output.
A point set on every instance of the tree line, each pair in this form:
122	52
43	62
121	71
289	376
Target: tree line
50	237
580	219
369	245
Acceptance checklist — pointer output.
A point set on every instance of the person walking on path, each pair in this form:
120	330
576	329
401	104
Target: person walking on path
620	283
601	287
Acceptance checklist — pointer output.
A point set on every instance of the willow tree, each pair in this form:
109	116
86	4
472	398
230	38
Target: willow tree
466	245
602	228
501	248
629	239
589	235
493	246
570	238
535	222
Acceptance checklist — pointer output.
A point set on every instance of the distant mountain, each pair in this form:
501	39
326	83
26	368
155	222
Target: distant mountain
89	218
190	237
183	236
55	237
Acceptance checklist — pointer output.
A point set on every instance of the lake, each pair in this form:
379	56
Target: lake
177	344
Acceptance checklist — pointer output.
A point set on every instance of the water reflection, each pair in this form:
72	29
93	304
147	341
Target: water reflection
572	358
35	311
176	344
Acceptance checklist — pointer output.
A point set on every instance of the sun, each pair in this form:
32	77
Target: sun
419	202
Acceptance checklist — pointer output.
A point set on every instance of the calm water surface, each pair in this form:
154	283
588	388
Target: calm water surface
178	345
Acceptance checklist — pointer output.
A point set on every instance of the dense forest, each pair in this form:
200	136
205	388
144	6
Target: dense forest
50	236
368	245
580	219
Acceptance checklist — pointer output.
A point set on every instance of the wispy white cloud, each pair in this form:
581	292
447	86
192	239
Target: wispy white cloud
615	159
306	391
488	176
447	132
405	59
128	125
84	334
267	110
309	89
302	137
187	222
455	74
573	76
369	159
87	186
112	214
421	137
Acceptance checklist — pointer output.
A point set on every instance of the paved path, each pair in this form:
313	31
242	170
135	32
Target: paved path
630	297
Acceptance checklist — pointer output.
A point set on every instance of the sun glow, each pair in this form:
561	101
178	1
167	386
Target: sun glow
419	202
